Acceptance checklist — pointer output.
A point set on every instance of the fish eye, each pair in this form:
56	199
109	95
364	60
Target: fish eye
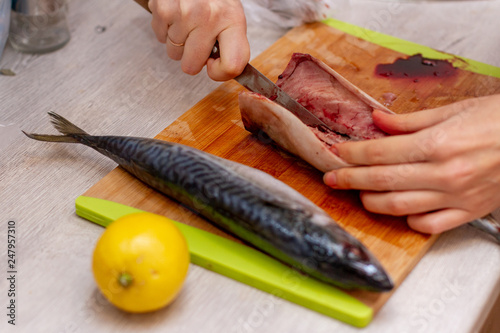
352	253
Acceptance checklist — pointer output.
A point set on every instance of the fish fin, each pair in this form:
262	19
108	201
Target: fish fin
65	126
72	133
51	138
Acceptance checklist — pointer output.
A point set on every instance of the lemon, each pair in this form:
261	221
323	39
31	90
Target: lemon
140	262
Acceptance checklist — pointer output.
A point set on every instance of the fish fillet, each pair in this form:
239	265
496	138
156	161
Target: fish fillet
342	106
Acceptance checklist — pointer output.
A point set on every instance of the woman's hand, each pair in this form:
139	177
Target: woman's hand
440	167
190	28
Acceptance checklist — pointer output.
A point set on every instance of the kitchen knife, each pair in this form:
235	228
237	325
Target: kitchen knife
489	225
257	82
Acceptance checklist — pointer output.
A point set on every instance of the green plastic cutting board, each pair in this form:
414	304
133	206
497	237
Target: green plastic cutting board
244	264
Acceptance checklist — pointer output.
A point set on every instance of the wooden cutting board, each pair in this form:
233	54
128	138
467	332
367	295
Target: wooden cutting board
214	125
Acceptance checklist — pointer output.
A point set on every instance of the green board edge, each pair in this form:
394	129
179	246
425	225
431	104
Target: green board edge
410	48
247	265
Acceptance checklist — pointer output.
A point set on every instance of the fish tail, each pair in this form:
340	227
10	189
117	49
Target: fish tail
71	133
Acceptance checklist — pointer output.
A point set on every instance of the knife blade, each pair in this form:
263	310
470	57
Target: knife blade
257	82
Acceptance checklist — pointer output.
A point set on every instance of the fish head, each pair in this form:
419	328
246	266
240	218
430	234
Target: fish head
338	258
361	267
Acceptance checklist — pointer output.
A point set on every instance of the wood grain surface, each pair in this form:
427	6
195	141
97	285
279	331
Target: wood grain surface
214	125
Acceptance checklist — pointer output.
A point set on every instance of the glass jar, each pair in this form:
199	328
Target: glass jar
38	26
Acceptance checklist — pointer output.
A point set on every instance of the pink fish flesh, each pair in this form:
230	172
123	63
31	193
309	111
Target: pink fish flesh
340	104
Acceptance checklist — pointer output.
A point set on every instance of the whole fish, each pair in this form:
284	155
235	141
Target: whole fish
242	200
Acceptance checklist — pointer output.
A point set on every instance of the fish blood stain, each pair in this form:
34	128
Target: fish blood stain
416	67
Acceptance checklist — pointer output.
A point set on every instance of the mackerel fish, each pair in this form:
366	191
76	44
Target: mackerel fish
243	201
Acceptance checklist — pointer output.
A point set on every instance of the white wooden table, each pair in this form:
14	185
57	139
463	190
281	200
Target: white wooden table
120	81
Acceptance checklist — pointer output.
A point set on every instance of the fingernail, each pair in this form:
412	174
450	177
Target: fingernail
330	179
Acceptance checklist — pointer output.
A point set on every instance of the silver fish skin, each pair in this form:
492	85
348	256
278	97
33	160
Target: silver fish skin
243	201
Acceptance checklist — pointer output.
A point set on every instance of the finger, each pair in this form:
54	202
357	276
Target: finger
160	29
402	203
416	176
162	16
439	221
234	54
416	147
405	123
176	39
416	121
197	49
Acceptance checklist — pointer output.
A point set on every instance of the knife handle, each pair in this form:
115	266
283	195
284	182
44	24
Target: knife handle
144	4
215	51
